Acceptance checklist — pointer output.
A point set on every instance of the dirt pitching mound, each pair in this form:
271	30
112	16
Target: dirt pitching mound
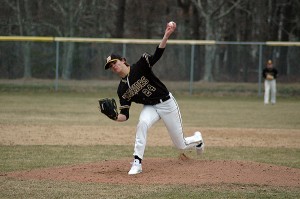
170	171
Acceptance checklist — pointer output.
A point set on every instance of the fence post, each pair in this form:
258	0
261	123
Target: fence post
57	66
260	70
192	68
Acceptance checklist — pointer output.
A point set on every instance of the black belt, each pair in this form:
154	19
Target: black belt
157	101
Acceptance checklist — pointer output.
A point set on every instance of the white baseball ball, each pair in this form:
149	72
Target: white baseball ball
171	23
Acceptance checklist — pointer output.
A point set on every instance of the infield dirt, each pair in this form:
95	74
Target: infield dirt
157	136
170	171
179	170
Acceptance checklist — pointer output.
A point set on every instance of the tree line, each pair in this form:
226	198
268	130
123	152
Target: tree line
221	20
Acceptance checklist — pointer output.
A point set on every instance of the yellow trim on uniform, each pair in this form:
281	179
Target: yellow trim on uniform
122	107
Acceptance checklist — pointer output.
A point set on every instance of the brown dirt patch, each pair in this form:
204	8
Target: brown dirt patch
157	136
170	171
156	170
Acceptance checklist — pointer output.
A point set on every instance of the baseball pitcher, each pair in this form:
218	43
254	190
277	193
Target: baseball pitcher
140	85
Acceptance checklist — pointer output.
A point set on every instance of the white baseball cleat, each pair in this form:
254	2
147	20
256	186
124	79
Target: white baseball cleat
200	146
198	137
136	167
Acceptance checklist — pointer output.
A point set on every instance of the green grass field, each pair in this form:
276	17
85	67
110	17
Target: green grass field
35	105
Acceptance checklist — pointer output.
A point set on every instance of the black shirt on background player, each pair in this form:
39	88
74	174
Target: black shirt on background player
269	71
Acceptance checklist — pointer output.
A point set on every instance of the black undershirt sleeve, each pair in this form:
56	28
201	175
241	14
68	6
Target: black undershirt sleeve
156	56
125	111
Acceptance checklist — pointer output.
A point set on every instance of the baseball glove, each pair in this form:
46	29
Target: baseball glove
269	77
109	107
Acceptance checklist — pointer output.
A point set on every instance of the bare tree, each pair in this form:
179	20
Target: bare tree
233	20
212	11
120	19
22	12
70	13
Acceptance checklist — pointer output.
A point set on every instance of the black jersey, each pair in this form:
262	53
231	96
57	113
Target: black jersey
270	71
141	85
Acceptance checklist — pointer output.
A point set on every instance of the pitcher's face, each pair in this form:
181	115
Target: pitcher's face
117	66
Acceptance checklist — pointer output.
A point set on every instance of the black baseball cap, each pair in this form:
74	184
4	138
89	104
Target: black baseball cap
113	57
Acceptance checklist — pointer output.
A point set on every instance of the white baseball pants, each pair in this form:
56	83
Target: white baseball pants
169	112
270	87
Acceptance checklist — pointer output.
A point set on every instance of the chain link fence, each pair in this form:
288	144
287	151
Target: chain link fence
229	61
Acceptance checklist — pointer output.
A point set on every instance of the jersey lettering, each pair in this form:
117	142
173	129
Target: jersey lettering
151	88
147	92
137	86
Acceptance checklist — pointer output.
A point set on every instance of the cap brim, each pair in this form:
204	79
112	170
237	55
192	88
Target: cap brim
108	63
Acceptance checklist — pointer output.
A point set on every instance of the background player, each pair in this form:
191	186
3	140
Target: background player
140	85
270	74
